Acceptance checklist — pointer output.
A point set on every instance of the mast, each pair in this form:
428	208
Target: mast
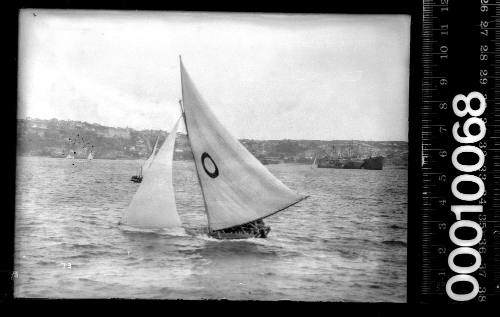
187	132
156	143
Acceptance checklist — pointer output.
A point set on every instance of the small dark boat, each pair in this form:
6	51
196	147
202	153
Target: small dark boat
136	179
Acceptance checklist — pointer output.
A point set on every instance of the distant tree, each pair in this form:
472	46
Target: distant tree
288	147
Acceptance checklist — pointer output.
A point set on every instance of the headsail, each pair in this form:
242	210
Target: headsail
236	187
148	162
153	205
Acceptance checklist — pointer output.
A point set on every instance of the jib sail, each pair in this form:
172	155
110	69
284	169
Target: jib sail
153	205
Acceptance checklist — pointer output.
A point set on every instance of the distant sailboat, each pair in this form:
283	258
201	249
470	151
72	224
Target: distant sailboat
90	157
68	148
138	178
70	154
237	189
153	205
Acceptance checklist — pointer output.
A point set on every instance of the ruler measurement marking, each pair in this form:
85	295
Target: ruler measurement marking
433	69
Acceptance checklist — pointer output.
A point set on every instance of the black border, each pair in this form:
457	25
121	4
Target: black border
412	8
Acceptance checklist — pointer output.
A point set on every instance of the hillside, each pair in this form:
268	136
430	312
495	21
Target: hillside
56	138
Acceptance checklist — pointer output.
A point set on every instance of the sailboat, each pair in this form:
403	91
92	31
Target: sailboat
138	177
238	191
71	154
314	163
90	157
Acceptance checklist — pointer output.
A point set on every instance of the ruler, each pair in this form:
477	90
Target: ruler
459	247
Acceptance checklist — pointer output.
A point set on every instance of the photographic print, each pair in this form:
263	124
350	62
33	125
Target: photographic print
209	155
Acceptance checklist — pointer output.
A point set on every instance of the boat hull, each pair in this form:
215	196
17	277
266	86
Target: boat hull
242	234
344	164
136	179
353	164
374	163
325	163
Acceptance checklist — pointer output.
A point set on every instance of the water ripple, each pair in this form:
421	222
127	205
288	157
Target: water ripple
347	242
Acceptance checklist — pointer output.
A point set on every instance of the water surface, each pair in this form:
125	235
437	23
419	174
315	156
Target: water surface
347	242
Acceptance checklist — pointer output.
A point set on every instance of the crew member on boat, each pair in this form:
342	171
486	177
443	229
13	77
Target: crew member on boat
255	228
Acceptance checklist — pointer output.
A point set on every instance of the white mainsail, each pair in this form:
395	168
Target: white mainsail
90	157
236	187
153	205
147	164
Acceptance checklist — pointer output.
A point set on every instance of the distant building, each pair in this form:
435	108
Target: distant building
310	154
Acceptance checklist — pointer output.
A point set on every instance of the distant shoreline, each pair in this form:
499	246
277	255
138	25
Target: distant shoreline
56	138
387	166
84	159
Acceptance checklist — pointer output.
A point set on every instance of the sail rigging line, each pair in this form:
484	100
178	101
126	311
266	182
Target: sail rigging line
194	158
197	175
147	163
275	212
156	145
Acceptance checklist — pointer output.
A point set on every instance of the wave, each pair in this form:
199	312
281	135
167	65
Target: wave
75	245
44	263
349	254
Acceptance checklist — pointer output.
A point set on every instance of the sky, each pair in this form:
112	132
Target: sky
265	76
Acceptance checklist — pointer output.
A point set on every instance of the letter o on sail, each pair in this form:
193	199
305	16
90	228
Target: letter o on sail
215	170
